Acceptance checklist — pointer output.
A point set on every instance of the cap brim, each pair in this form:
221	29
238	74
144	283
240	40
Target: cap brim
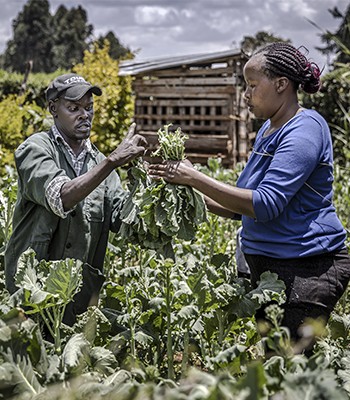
76	92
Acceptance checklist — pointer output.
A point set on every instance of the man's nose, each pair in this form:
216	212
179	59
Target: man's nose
84	114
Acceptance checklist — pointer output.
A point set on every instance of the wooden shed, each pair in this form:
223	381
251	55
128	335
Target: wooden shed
203	94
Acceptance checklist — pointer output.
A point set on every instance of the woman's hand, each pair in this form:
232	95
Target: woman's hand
222	199
178	172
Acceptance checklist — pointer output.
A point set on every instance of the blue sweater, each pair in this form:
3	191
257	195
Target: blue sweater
291	175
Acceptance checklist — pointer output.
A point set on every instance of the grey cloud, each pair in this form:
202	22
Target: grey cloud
166	27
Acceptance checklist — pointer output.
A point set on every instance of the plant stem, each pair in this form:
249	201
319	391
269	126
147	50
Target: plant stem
169	346
185	353
220	327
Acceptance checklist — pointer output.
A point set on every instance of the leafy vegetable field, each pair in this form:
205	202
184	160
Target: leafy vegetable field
179	327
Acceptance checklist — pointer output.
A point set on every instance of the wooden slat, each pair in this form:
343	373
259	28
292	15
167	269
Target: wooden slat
184	81
181	102
179	72
208	143
223	129
184	117
182	91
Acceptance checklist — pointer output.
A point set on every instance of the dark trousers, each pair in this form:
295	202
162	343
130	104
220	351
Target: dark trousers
313	284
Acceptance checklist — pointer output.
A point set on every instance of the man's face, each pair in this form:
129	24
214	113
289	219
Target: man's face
73	118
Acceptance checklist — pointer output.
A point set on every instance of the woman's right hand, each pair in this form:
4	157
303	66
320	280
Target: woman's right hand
178	172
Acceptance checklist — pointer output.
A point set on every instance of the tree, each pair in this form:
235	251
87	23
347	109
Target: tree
53	42
116	50
338	42
250	43
32	39
72	36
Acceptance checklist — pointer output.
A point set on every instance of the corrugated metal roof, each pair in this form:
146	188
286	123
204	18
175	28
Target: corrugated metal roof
134	67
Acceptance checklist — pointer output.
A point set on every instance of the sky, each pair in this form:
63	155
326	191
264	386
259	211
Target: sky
165	28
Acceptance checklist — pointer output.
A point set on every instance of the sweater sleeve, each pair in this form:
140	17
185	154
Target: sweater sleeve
295	158
37	167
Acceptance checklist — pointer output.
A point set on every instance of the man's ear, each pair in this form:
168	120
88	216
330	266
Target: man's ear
53	108
281	84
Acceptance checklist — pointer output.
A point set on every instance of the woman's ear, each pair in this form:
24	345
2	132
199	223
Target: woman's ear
281	84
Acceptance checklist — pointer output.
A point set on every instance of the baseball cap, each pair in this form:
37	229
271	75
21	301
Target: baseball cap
71	87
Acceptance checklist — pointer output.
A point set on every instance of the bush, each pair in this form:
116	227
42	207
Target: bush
18	120
11	84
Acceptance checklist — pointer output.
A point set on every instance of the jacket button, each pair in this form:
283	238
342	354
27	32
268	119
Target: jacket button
68	245
73	213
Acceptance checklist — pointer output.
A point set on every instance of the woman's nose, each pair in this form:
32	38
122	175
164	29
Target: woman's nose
246	95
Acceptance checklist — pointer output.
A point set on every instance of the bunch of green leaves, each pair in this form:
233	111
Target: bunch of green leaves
171	144
156	212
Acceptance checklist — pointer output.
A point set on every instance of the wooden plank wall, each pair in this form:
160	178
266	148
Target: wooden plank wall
202	100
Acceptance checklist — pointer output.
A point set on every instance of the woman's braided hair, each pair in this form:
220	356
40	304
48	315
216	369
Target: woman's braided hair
283	59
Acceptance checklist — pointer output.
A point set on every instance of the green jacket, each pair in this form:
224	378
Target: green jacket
84	233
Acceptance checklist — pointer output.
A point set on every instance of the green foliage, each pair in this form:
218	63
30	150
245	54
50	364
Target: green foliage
34	89
167	328
156	212
338	42
333	102
8	196
251	43
116	50
32	39
53	42
22	115
114	109
71	34
18	121
171	144
47	289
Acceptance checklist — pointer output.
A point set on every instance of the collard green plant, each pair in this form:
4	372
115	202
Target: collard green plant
8	196
188	312
46	288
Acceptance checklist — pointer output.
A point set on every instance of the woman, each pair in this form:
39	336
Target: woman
284	194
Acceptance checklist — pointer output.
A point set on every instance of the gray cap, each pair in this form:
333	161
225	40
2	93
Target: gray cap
70	87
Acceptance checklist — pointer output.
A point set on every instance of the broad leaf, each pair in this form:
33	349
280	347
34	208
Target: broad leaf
74	353
23	375
65	279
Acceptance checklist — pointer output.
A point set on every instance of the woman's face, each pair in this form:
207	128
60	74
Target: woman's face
261	92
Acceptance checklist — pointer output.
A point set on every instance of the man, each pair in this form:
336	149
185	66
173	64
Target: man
69	194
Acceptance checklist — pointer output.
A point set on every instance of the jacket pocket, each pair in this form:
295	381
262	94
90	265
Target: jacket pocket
94	205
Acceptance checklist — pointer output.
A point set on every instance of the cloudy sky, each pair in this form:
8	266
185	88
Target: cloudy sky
161	28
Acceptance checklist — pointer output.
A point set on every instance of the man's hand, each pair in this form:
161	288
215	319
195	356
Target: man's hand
131	147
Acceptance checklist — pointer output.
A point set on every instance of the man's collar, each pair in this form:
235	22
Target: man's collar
59	137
